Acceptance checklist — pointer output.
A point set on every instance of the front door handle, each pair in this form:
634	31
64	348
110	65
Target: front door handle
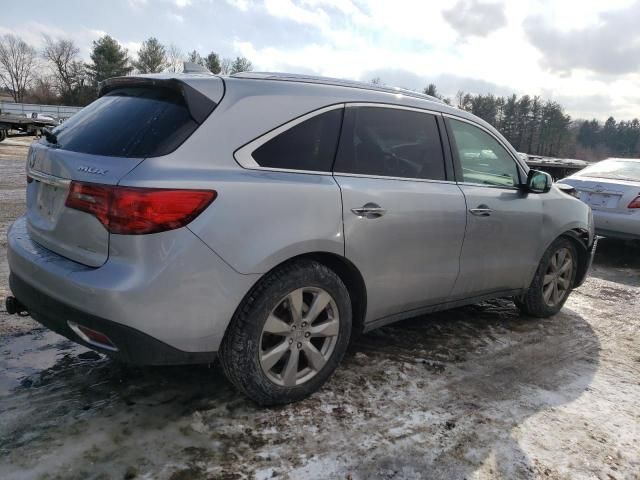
481	211
369	210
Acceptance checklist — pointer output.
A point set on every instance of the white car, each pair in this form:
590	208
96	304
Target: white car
612	189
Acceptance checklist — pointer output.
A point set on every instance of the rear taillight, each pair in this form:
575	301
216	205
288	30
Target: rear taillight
635	203
138	211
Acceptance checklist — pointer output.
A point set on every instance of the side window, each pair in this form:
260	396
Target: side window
483	159
310	145
390	142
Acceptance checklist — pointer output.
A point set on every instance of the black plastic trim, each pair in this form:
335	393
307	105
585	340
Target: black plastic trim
133	345
200	106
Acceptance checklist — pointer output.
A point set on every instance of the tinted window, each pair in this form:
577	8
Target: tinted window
482	158
129	122
390	142
310	145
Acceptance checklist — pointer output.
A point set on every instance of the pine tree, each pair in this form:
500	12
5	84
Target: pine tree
152	57
108	59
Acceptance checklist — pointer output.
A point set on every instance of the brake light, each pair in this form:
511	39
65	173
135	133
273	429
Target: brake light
635	203
138	211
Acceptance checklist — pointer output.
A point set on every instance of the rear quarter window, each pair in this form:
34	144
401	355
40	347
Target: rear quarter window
129	122
310	145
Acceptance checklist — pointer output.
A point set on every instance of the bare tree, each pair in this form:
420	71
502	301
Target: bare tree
225	66
62	57
18	61
175	57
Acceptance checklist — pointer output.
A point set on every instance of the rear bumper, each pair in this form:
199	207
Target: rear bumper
168	287
133	346
617	224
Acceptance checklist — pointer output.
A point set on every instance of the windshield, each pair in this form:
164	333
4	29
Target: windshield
615	169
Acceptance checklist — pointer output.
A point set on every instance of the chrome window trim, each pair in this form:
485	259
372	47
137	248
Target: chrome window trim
383	177
52	180
490	133
393	106
244	155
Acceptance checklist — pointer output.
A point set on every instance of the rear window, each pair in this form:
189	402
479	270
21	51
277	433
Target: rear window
310	145
614	169
129	122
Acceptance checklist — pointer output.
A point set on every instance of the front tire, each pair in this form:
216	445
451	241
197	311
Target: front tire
289	334
553	281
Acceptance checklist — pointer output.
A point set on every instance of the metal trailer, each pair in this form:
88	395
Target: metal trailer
61	112
556	167
23	125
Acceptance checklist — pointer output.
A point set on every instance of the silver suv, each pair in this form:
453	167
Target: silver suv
267	219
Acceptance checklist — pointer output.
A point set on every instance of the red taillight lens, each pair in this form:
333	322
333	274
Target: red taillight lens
138	211
635	203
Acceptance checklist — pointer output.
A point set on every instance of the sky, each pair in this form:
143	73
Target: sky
584	54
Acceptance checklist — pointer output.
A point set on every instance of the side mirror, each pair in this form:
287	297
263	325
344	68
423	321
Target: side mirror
538	182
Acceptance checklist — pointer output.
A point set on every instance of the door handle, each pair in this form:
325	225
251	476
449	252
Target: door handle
481	211
369	210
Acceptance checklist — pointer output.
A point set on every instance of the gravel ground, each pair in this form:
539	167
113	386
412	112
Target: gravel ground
477	392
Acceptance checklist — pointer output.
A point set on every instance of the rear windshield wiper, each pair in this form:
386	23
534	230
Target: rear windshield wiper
50	136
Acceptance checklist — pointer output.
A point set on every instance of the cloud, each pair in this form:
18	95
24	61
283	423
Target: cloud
610	46
475	18
446	83
176	17
182	3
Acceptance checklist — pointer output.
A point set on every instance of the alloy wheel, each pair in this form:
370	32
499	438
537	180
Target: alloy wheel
299	336
557	280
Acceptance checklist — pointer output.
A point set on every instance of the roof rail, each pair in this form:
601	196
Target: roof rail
296	77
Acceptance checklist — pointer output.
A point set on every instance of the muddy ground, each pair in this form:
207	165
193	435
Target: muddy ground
477	392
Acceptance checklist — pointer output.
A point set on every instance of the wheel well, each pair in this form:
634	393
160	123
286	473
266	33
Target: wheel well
580	239
351	277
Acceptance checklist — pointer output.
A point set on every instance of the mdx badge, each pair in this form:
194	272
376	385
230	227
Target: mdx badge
92	170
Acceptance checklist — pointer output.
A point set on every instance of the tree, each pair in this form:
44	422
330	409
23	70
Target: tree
212	62
175	57
152	56
194	57
225	66
431	90
109	59
241	64
18	61
68	72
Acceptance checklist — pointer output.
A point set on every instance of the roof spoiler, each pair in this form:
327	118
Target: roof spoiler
200	106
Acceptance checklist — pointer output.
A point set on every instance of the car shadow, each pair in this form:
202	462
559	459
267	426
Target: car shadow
618	261
505	368
436	396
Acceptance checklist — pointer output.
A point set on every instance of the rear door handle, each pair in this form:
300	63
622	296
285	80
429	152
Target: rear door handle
481	211
369	210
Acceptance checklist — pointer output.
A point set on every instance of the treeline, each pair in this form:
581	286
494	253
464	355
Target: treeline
620	139
55	73
541	127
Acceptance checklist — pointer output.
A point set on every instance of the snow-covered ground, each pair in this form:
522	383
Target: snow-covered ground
478	392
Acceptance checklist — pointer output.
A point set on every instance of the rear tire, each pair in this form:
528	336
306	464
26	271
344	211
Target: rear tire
3	135
289	334
553	281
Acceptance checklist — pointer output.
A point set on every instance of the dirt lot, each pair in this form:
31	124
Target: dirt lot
478	392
